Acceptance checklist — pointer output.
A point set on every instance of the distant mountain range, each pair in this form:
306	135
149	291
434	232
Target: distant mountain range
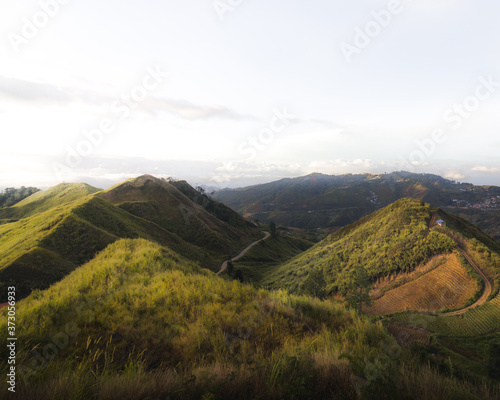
328	201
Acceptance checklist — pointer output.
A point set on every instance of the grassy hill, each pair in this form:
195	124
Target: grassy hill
38	202
161	202
322	201
67	225
139	321
394	239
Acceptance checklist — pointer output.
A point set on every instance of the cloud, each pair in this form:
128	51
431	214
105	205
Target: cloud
33	91
456	176
191	111
485	169
27	91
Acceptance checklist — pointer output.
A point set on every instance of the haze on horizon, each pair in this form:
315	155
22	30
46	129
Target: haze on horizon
230	93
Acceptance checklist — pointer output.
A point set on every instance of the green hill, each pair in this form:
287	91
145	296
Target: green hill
161	202
394	239
139	321
66	226
59	195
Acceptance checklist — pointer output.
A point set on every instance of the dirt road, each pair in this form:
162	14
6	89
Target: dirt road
224	264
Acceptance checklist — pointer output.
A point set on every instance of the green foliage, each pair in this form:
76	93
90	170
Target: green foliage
11	196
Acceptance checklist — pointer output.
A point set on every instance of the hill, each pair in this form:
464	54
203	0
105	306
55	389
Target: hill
394	239
322	201
40	201
66	226
159	201
394	245
139	321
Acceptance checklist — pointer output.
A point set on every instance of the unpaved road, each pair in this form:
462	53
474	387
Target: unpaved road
224	264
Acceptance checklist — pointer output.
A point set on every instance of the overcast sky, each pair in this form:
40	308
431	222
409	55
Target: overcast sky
233	92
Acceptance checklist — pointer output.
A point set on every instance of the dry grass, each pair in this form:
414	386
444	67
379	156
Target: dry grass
447	286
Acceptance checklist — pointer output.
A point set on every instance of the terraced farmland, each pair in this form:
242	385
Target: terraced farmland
447	286
478	321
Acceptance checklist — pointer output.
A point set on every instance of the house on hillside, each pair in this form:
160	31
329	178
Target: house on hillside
440	223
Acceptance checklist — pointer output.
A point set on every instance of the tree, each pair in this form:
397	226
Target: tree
359	288
272	228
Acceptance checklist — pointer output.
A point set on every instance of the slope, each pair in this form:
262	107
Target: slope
65	227
39	250
159	201
394	239
140	321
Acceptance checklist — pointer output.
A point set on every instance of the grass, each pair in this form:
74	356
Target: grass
140	321
448	286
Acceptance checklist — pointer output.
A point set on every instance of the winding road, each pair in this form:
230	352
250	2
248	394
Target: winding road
224	264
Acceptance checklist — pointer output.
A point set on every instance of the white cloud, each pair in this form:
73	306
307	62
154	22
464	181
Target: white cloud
456	176
487	170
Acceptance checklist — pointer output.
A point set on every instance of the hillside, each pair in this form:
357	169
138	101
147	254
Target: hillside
66	226
322	201
38	202
139	321
394	239
159	201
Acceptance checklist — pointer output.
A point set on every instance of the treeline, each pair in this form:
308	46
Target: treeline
11	196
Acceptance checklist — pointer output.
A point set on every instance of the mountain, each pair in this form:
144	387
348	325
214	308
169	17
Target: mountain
160	202
51	233
140	321
408	259
322	201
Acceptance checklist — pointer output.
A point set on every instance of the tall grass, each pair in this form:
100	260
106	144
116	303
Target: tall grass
150	324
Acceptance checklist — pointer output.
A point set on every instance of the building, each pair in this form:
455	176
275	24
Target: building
440	222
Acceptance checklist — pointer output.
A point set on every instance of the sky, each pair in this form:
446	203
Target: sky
228	93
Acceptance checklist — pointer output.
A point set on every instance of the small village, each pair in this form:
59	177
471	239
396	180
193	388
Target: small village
490	203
